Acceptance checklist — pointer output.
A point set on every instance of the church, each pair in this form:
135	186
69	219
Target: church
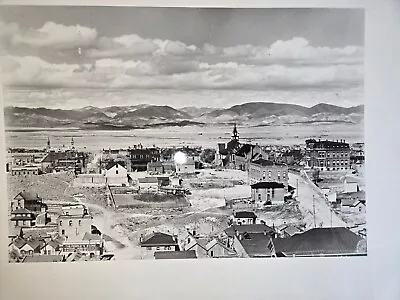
235	155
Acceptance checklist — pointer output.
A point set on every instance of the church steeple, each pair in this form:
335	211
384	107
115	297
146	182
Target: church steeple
235	134
48	143
72	143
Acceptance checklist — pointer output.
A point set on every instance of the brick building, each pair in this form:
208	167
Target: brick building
328	155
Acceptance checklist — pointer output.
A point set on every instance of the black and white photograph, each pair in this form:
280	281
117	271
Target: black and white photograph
149	133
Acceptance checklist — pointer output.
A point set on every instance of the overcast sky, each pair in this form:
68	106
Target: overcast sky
102	56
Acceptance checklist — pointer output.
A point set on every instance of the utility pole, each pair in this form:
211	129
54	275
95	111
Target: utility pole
313	201
297	189
331	216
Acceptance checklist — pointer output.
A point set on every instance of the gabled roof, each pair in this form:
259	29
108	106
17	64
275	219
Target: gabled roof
231	145
19	242
268	185
245	214
175	254
159	239
251	228
256	244
114	163
245	149
54	244
319	241
352	202
23	218
36	244
215	242
28	196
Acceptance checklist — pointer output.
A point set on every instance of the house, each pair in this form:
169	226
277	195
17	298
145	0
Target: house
196	243
29	201
93	248
22	217
268	193
350	185
27	247
252	244
244	218
25	170
175	181
287	230
68	160
187	167
74	223
175	254
155	167
266	170
327	155
352	205
116	174
158	241
225	154
218	249
52	247
43	258
14	232
148	185
335	241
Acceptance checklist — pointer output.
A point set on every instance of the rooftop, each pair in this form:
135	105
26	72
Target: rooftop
28	196
319	241
159	239
256	244
245	214
268	185
114	163
148	180
251	228
314	144
264	163
175	254
21	211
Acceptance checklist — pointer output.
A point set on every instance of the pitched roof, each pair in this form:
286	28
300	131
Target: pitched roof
175	254
28	196
231	145
351	202
268	185
245	214
256	244
159	239
54	244
23	218
245	149
319	241
19	242
264	163
113	163
250	228
14	231
36	244
216	241
43	258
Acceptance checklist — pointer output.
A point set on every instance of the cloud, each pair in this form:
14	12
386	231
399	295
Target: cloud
50	35
125	74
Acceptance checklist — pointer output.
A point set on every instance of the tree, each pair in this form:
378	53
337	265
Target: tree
208	155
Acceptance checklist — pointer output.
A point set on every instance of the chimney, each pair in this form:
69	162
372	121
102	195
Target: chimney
194	232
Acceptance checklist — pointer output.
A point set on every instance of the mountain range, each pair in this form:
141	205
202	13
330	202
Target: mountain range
144	116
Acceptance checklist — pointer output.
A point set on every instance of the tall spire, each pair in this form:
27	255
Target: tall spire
235	134
48	143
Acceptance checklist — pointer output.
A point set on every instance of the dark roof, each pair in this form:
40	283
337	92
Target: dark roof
159	239
312	143
256	244
29	196
222	150
319	241
245	214
264	163
246	148
232	144
19	242
175	254
250	228
36	244
89	236
54	244
43	258
148	180
113	163
268	185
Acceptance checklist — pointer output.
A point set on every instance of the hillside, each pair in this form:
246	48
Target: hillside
143	116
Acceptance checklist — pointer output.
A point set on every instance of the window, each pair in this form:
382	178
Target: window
259	197
23	222
212	253
359	209
70	222
116	172
80	222
167	248
62	232
60	223
158	248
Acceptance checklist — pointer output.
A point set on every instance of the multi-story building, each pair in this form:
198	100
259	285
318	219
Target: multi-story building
328	155
263	170
74	223
140	157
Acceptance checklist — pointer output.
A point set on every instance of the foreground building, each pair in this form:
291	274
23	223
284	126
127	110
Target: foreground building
268	193
328	155
336	241
263	170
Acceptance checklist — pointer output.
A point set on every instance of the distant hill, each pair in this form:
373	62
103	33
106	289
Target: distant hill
143	116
